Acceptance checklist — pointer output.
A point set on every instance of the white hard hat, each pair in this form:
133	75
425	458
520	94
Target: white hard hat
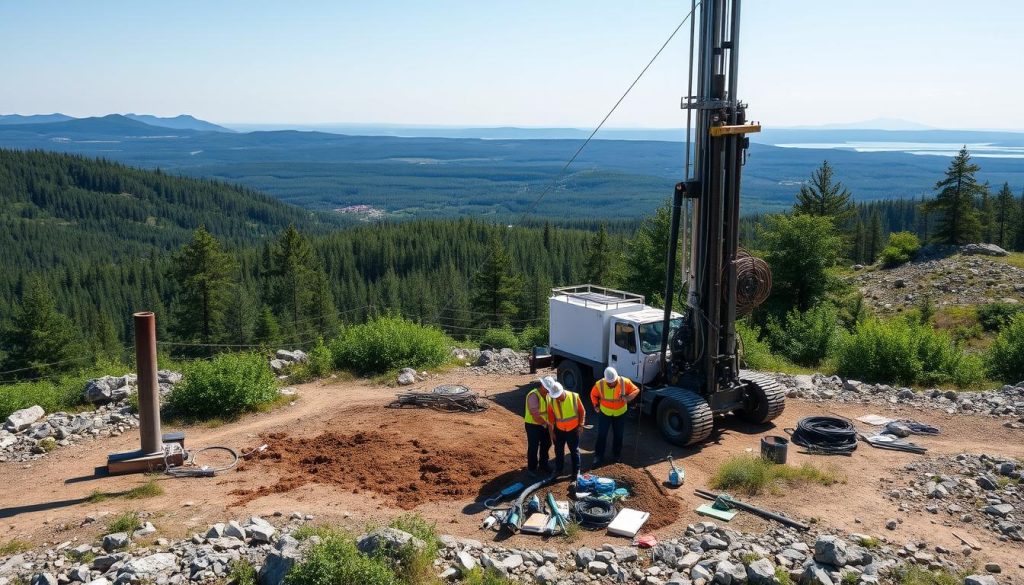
547	382
610	375
556	391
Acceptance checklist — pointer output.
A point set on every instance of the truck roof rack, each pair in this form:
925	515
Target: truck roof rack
594	295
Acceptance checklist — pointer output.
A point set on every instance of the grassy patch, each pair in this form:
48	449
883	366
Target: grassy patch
47	444
124	522
849	578
870	542
307	530
417	566
13	547
479	577
54	395
752	475
1014	259
782	576
749	557
572	531
241	572
920	576
150	489
757	354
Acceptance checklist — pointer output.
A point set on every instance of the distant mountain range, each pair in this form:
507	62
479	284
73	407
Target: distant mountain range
114	122
500	172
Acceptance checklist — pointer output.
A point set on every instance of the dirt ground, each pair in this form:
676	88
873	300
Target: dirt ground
338	453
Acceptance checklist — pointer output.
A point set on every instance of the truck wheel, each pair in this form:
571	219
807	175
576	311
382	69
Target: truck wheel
765	399
684	418
570	376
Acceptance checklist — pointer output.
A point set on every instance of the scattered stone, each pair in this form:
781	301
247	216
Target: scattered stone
20	420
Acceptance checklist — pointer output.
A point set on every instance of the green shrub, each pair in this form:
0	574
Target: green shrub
915	575
1006	356
389	343
804	338
904	351
337	560
13	547
241	572
124	522
320	365
752	475
996	316
225	386
489	577
756	354
500	338
902	248
54	395
534	336
417	566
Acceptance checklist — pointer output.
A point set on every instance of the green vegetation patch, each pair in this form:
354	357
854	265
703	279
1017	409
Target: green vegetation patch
915	575
13	547
226	386
1006	356
752	475
388	343
124	522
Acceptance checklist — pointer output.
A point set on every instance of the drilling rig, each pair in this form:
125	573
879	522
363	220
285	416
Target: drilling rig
693	371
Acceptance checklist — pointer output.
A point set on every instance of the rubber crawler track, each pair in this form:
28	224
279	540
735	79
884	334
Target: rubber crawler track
774	393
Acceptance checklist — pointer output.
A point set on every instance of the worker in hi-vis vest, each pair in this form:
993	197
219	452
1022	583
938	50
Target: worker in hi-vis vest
538	427
566	413
610	397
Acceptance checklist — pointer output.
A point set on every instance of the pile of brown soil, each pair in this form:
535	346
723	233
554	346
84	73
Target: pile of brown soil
405	471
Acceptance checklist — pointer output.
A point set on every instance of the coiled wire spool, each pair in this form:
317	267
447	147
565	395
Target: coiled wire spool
753	282
827	435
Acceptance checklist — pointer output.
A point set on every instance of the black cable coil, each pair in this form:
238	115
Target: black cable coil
826	434
594	513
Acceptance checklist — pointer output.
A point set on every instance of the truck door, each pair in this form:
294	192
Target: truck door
623	352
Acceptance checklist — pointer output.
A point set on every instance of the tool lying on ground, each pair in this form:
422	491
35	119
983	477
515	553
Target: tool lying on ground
827	435
734	503
905	428
676	476
516	514
885	441
447	397
720	509
191	468
506	493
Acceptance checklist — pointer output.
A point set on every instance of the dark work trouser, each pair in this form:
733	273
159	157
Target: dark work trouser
538	443
618	426
572	439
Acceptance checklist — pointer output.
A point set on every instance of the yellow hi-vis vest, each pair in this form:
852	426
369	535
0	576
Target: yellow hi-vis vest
613	398
542	407
566	415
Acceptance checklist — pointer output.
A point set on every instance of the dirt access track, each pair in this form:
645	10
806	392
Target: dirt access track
340	454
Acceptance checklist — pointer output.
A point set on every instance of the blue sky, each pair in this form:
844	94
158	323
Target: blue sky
526	63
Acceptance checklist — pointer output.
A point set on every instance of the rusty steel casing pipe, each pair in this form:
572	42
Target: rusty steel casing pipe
149	390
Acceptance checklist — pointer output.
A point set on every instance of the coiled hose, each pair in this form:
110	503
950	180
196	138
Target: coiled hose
594	513
825	434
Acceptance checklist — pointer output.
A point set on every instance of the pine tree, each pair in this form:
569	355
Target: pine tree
1004	213
598	268
268	332
987	215
104	342
823	197
874	238
240	318
320	312
958	218
41	341
646	255
496	289
1019	235
859	242
202	272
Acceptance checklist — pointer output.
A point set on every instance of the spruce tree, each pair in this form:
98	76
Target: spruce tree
987	215
598	268
1004	213
1019	233
240	317
202	272
646	254
859	242
104	341
958	221
875	237
824	197
496	288
300	291
40	340
267	332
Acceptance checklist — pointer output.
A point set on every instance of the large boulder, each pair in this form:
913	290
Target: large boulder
389	541
830	550
984	250
23	419
152	565
293	357
761	572
107	389
286	554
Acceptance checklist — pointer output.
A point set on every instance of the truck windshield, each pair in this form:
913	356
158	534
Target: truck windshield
650	334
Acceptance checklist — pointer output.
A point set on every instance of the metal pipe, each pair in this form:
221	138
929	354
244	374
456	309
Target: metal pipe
753	509
670	274
149	394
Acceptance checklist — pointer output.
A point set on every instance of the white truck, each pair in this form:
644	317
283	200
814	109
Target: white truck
592	327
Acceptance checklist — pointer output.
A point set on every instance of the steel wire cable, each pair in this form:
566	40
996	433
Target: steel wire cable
828	435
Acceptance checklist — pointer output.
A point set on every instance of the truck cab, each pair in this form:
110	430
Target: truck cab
593	327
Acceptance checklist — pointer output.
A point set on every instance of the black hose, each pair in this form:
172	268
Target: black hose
827	435
594	513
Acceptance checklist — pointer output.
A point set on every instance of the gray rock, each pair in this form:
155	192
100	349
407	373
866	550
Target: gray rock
993	568
761	572
711	543
80	574
597	568
727	573
512	562
115	541
215	531
151	565
486	357
280	561
100	581
1001	510
665	553
407	377
701	572
22	419
278	366
980	580
293	357
584	556
1007	468
983	250
389	541
262	533
44	579
465	561
104	562
830	550
235	530
815	574
546	575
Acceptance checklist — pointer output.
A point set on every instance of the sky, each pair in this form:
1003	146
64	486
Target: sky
502	63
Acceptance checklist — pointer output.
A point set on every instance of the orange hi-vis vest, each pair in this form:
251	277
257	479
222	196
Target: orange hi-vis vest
612	398
567	417
542	407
